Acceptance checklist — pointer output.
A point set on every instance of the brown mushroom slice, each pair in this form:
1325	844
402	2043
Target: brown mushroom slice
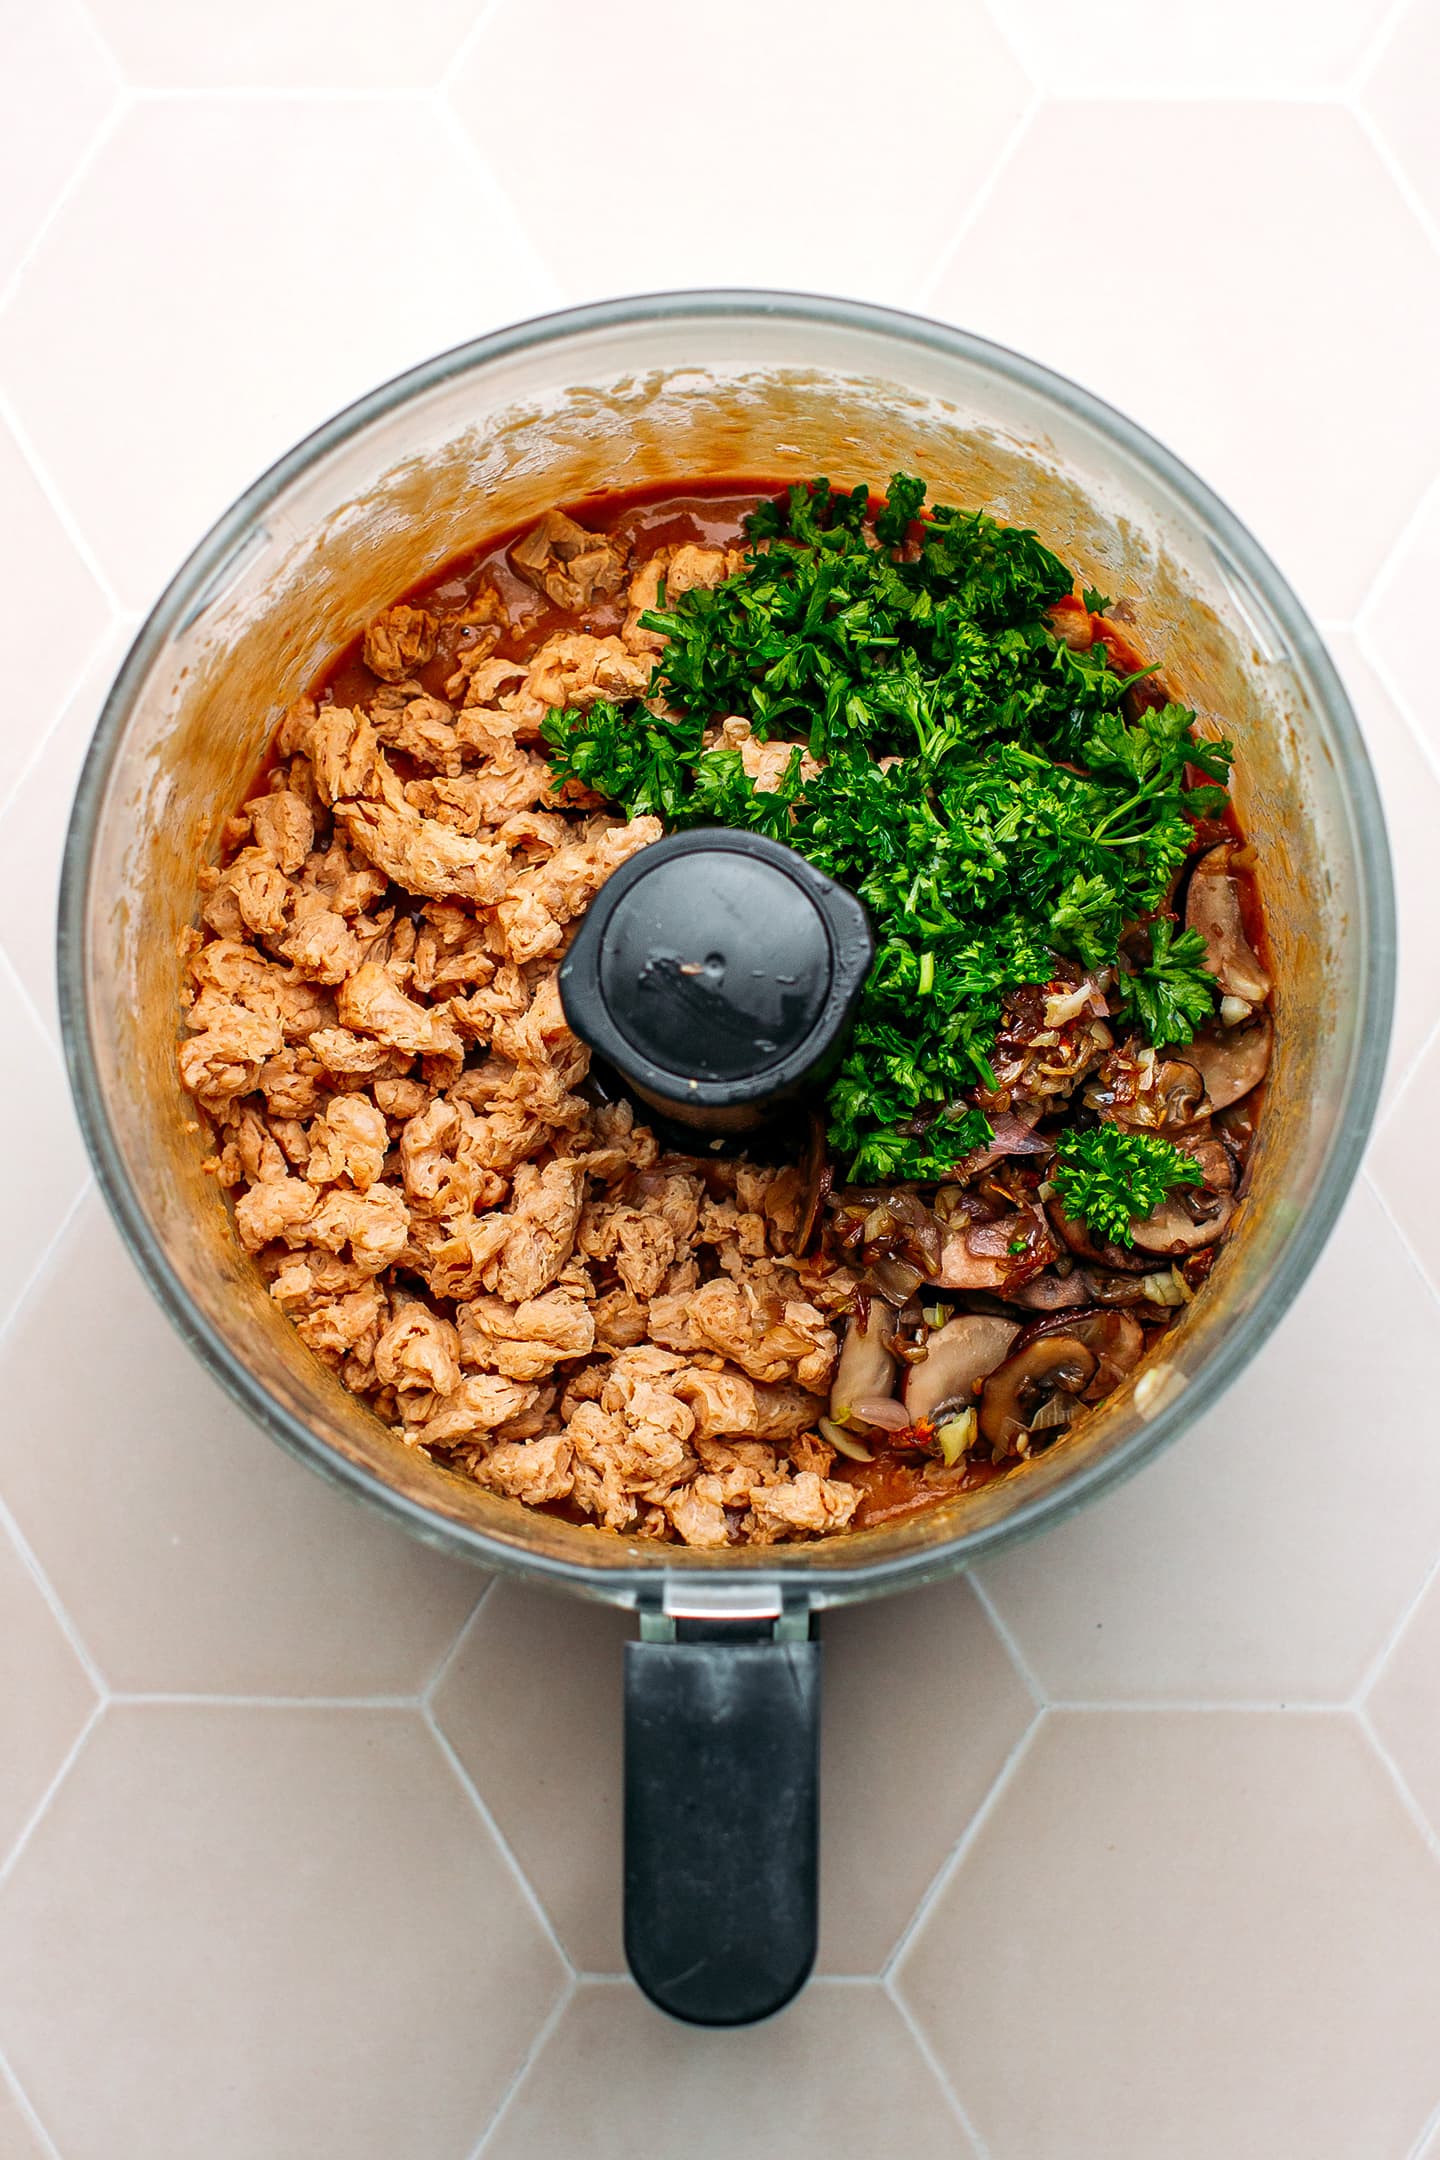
1233	1060
957	1358
1184	1224
1116	1338
1213	908
1214	1160
961	1269
1051	1292
1098	1251
866	1367
990	1255
1054	1364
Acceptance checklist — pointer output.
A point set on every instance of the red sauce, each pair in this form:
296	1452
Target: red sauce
897	1485
708	513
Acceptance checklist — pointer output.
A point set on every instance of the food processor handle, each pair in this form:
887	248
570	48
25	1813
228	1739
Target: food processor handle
721	1824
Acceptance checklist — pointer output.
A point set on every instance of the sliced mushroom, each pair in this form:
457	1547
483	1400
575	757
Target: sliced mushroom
866	1366
1053	1364
1184	1223
1052	1292
1214	1160
1099	1251
1213	908
1233	1061
1116	1338
1147	1093
957	1358
989	1255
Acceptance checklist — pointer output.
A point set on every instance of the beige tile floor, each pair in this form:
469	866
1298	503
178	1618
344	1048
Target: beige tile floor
308	1839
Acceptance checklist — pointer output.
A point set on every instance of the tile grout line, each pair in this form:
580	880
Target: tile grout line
531	2056
462	52
42	1805
442	1670
25	2107
1403	1083
1379	584
527	1888
937	2071
51	491
1177	1706
30	1560
1409	1250
27	1288
924	290
936	1887
280	93
1372	653
1395	172
204	1699
1422	2144
1373	1671
1374	49
122	100
63	702
492	186
21	991
1338	95
1029	1677
1405	1796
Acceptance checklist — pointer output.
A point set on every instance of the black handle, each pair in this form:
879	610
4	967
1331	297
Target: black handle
721	1824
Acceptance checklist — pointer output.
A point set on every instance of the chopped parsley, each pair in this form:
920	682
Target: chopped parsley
1024	817
1107	1177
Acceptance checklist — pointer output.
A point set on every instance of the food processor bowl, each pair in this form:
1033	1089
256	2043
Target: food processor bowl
624	395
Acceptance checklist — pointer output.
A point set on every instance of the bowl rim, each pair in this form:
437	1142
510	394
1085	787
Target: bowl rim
819	1580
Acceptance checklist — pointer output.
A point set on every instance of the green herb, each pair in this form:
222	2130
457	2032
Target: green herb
1024	817
1096	602
1174	992
1106	1177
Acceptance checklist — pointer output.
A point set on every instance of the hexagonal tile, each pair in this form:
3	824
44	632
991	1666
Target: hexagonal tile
1395	94
52	613
1395	625
220	1900
58	84
18	2141
1267	1556
331	44
45	1696
1133	49
934	100
32	833
835	2074
1410	790
256	262
1403	1702
191	1552
46	1174
1132	1959
532	1706
1265	266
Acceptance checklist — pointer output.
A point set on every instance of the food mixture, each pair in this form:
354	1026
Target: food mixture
1012	1183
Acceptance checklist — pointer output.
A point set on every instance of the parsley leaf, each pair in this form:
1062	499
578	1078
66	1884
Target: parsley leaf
1174	993
1106	1177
